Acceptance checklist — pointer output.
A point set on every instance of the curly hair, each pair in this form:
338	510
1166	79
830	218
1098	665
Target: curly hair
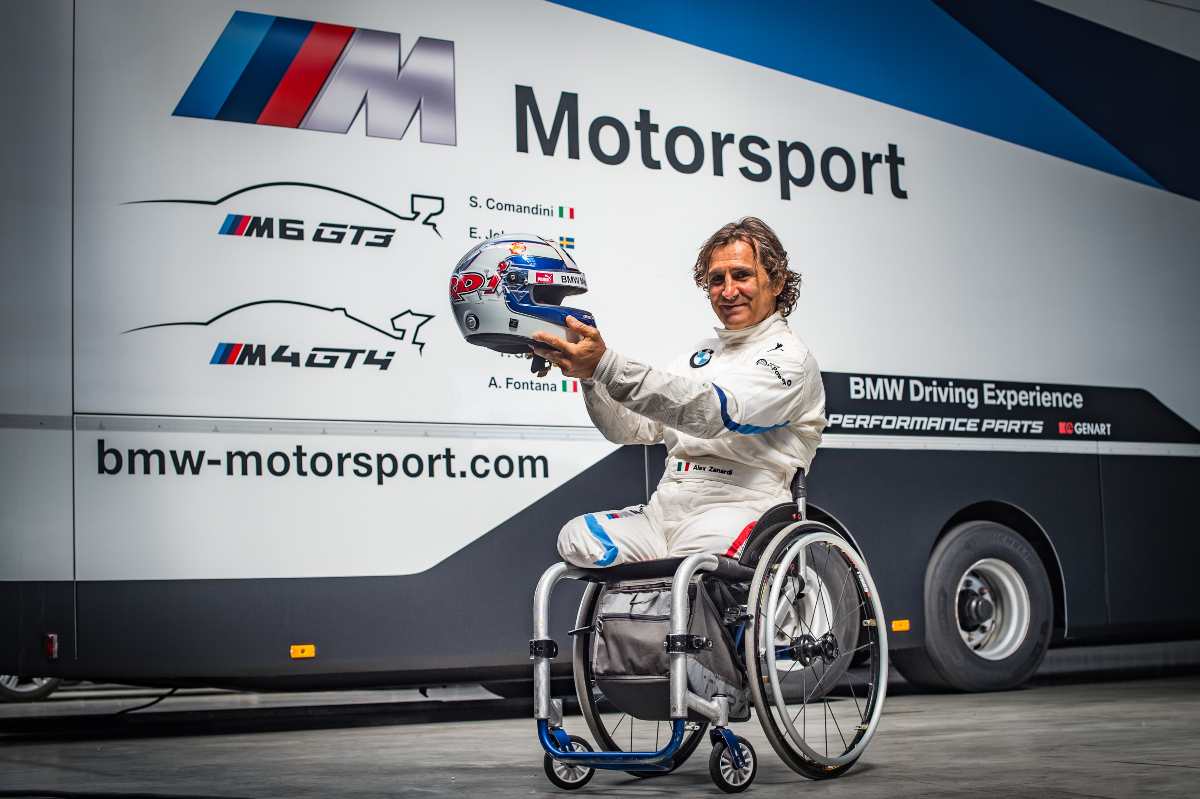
767	249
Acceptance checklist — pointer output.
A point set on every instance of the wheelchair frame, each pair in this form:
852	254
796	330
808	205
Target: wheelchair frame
562	748
548	711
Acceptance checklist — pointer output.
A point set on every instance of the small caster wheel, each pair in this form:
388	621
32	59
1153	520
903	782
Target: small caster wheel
723	768
569	776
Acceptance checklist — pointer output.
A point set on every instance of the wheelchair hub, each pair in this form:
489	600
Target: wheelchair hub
808	650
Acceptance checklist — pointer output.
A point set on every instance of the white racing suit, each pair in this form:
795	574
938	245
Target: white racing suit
738	417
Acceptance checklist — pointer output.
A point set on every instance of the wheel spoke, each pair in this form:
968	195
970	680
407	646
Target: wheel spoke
820	590
860	606
839	727
850	684
803	704
789	671
857	649
841	592
818	685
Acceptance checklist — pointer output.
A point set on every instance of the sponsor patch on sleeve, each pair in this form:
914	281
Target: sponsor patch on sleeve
775	370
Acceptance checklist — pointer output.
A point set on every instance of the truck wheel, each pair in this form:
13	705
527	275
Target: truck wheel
988	612
26	689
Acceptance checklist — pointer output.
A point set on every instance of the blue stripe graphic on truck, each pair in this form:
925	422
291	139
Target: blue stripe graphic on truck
923	59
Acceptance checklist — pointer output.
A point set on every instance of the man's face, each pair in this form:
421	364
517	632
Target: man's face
738	288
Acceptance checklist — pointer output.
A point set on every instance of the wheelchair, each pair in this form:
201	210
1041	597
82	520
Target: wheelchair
807	629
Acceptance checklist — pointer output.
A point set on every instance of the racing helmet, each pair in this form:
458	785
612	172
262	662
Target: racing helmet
509	287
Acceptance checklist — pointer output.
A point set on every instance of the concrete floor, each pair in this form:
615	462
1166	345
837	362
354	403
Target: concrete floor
1056	738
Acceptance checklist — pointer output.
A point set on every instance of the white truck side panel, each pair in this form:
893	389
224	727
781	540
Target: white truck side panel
303	499
1002	263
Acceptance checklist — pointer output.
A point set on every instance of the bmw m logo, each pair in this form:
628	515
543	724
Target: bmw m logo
294	73
701	358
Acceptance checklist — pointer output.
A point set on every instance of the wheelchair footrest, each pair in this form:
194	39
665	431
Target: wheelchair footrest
647	761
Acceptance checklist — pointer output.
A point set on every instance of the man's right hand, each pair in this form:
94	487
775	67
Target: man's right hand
575	359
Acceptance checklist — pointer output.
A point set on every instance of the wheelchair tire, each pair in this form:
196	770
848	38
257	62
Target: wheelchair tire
797	637
724	771
999	648
566	776
609	728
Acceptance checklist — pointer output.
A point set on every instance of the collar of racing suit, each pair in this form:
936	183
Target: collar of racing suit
747	334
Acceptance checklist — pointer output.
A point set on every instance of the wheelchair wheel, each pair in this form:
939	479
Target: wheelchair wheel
723	767
614	730
813	611
565	775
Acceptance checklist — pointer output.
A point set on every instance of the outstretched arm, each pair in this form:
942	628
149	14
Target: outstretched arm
756	398
617	423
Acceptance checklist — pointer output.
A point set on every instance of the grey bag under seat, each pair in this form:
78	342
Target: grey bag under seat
631	665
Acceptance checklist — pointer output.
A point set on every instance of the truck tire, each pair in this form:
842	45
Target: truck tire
988	612
26	689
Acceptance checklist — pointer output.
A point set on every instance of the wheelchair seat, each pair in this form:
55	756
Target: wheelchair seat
727	569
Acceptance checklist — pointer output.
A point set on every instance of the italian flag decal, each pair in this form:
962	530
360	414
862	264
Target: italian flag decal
570	386
566	212
682	466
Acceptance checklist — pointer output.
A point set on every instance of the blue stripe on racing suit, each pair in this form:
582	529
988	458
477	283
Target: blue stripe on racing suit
610	549
747	429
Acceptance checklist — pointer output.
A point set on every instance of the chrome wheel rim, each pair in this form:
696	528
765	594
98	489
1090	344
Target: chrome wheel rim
23	685
992	609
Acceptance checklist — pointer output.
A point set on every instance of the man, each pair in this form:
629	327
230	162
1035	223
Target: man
739	414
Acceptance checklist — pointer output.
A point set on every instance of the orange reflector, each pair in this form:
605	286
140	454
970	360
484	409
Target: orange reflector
900	625
303	651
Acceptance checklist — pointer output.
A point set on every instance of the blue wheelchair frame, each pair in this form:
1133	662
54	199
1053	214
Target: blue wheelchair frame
557	743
